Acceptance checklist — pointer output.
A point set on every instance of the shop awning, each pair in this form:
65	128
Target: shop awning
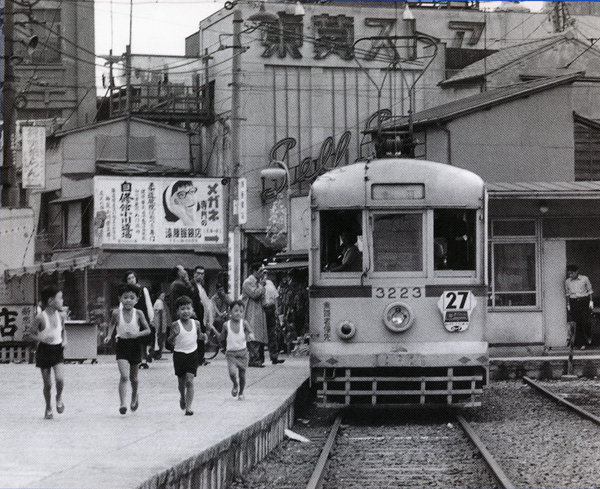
547	190
116	260
67	264
71	198
288	260
287	265
123	260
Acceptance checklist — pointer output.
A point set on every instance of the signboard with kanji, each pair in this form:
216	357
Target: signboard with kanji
158	211
16	322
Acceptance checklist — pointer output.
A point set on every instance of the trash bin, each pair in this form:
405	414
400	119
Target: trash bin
82	341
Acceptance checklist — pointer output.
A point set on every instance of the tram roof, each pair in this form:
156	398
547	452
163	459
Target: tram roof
444	185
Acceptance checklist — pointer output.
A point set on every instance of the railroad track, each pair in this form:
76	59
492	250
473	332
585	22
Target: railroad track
432	454
538	444
584	413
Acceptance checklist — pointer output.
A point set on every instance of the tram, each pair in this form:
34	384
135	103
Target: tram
398	284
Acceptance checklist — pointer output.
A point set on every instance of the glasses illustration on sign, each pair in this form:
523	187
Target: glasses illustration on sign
180	202
182	194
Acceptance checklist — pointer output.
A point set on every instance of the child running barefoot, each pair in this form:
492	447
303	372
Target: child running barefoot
130	325
50	333
235	333
184	336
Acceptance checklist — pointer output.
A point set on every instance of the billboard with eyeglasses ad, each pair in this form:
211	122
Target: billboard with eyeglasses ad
158	211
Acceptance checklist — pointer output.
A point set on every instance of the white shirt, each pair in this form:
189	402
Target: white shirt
207	305
577	288
271	293
235	341
186	341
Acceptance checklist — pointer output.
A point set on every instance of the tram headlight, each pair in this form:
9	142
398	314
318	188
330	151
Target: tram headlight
398	317
346	330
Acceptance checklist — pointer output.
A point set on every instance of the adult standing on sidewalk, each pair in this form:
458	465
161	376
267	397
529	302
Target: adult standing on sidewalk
202	308
253	291
578	289
270	308
180	285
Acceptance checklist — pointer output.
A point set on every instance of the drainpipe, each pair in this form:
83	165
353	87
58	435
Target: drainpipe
444	128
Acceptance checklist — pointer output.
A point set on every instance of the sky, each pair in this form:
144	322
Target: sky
161	26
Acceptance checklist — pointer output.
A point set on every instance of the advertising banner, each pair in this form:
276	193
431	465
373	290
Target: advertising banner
34	157
158	211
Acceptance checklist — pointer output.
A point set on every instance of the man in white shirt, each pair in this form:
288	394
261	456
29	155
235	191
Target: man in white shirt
578	289
270	308
202	308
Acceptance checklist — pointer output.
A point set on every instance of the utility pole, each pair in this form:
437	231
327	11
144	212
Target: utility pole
8	174
128	102
234	235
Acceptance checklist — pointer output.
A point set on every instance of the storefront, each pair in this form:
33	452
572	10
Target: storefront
536	229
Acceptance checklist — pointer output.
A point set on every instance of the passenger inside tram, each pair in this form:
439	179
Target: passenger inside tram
341	241
454	238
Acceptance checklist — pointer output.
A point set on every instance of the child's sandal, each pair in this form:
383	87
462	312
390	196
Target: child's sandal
48	415
234	391
60	407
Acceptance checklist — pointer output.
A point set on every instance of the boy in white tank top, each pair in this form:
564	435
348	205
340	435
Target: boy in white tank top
49	331
184	336
128	325
235	334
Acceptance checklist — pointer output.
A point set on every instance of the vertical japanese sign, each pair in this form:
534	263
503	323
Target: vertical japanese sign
159	211
16	322
34	157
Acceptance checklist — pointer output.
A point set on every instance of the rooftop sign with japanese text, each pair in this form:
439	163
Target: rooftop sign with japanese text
158	211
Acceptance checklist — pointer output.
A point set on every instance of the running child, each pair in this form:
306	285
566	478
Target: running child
184	336
234	335
49	331
129	325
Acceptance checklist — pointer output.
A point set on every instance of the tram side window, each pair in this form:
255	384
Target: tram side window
341	241
454	239
398	242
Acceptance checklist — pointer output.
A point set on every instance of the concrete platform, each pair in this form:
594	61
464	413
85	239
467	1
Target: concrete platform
91	445
552	364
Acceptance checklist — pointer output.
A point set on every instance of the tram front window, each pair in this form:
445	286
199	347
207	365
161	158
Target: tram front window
454	239
398	242
341	241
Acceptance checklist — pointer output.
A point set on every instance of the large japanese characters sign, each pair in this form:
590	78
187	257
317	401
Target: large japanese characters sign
158	211
16	322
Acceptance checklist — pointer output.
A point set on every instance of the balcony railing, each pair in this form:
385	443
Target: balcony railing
165	103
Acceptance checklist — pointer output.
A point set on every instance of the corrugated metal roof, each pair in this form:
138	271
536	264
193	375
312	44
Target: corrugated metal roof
545	189
480	101
130	169
514	54
502	58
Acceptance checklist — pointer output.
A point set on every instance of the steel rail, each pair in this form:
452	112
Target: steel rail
316	479
582	412
496	470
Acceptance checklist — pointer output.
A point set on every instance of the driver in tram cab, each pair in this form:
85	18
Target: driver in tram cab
351	257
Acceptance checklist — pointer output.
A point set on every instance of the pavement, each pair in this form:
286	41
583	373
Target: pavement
91	445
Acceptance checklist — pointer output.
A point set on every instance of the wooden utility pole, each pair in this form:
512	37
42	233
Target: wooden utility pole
8	174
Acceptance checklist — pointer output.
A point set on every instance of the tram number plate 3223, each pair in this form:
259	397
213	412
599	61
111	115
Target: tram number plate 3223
397	292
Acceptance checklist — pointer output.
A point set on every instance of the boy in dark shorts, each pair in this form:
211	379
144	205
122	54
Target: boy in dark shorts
50	333
235	334
184	336
129	325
